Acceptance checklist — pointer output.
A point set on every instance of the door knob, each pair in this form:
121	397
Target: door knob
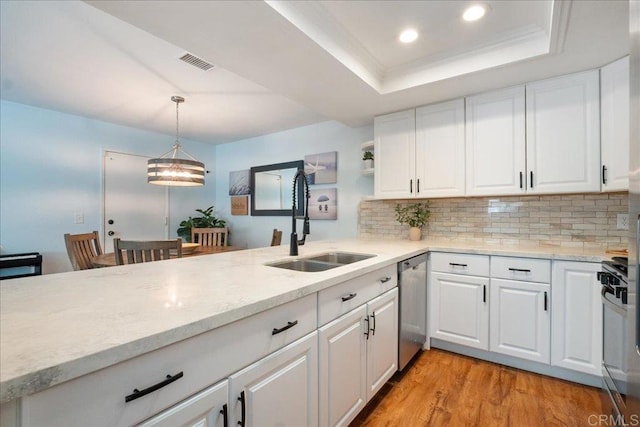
111	233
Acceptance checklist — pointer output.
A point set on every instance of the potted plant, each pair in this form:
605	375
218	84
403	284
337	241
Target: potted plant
415	216
207	220
367	156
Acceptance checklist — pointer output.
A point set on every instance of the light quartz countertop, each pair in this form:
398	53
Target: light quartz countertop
57	327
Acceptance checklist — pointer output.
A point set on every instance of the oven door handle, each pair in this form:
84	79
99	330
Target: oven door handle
608	303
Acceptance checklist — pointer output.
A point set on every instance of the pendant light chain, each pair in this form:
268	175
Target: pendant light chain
177	127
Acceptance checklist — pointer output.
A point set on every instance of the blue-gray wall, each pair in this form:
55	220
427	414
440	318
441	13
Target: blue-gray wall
291	145
51	166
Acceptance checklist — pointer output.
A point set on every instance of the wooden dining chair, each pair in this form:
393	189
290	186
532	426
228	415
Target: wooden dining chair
145	251
210	236
81	248
276	238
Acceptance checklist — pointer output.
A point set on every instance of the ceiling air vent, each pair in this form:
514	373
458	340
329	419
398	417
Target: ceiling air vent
196	62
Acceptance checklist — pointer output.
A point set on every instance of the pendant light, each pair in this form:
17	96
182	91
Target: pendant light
170	170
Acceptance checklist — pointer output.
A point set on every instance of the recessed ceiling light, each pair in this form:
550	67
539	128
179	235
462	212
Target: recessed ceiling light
408	36
474	12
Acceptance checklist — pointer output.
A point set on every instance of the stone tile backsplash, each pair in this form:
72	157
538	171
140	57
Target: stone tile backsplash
572	220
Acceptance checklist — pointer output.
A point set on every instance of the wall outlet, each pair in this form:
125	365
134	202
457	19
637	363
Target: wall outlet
623	221
78	218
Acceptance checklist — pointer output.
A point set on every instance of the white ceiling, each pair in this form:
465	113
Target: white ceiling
281	65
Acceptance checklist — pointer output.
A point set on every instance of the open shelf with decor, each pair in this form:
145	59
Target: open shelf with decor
367	158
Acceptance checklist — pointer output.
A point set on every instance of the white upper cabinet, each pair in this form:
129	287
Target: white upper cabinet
563	134
614	84
495	128
440	150
394	162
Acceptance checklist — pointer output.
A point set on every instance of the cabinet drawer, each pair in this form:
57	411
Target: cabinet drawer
525	269
342	298
98	399
473	265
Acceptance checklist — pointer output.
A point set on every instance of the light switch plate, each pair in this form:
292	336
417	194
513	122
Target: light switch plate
78	218
623	221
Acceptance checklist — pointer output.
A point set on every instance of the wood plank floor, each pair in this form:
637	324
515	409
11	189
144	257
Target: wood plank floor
441	389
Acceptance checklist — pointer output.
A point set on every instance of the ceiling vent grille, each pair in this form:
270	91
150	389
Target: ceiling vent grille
196	62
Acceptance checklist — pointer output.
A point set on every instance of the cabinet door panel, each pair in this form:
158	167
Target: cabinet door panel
395	138
520	319
382	345
201	410
576	338
343	368
563	134
279	390
440	150
495	153
614	80
459	309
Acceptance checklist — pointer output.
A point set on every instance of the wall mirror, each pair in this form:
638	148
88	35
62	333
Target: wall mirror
272	189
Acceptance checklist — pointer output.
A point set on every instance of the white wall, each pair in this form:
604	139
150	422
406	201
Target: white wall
290	145
51	167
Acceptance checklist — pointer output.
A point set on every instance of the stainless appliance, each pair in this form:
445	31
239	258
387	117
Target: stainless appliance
613	278
632	407
412	284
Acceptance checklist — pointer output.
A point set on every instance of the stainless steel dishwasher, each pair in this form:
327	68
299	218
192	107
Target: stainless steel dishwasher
412	284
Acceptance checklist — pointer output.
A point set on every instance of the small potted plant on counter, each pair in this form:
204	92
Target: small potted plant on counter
415	216
367	156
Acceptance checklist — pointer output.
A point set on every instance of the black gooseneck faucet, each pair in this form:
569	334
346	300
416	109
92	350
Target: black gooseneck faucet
294	242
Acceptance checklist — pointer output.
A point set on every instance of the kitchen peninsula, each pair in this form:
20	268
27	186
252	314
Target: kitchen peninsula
62	327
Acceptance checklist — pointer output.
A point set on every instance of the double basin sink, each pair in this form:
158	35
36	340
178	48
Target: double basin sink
321	262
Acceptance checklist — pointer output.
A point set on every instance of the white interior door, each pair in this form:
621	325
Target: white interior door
133	208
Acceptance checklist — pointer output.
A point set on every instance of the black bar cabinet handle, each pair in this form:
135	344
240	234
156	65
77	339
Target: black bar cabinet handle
366	331
373	330
289	325
522	270
385	279
139	393
225	415
545	301
243	409
531	178
350	296
484	293
520	179
418	185
411	186
454	264
604	176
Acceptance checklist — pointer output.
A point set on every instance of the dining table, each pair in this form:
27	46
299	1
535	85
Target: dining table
109	259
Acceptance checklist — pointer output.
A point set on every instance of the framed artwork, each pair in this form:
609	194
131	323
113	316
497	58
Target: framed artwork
239	183
239	205
322	168
323	203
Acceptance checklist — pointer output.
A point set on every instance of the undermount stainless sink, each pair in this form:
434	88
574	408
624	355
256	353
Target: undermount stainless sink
321	262
340	257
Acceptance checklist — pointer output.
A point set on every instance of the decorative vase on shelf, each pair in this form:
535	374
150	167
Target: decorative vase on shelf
368	164
415	233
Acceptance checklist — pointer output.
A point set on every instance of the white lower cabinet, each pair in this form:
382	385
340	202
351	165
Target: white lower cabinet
205	409
382	342
576	338
459	309
279	390
520	319
358	354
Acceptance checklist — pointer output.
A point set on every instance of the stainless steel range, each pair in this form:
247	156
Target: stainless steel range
613	278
